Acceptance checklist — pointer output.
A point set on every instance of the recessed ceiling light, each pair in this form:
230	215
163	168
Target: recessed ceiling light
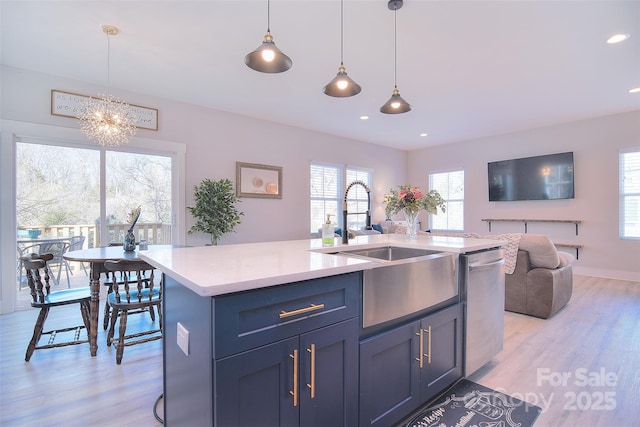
364	117
423	134
635	90
617	38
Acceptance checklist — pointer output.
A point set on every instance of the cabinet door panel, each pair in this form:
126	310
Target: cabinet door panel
389	376
446	351
335	376
252	388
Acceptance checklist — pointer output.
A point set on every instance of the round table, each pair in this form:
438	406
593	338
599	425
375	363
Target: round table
96	257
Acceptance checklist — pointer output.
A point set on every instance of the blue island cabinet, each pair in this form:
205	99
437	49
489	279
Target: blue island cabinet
285	355
404	367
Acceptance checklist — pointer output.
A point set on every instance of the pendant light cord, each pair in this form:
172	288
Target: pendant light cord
108	64
395	47
268	16
341	32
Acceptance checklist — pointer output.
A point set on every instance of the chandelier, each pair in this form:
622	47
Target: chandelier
107	120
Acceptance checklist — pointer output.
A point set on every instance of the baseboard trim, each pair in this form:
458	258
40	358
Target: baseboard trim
633	276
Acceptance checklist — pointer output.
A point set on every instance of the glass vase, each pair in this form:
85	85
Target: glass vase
412	223
129	241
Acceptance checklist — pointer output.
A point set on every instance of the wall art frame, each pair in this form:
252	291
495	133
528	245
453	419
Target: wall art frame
69	104
259	181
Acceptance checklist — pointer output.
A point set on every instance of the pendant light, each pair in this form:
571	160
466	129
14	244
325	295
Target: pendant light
342	86
267	58
395	104
107	120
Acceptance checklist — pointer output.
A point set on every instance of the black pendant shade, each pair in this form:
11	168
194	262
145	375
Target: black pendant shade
396	104
267	58
341	85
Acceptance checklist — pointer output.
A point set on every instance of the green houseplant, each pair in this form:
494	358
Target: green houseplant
214	211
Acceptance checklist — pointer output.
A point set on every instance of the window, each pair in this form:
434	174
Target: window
358	200
450	185
325	184
327	187
630	195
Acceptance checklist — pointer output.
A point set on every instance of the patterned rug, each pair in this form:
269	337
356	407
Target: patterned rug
469	404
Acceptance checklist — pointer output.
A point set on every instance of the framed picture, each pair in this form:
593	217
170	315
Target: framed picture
67	104
261	181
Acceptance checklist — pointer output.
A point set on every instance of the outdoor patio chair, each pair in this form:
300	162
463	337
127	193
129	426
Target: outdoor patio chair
76	243
58	249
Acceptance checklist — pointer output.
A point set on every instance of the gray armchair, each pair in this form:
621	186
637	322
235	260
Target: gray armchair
536	287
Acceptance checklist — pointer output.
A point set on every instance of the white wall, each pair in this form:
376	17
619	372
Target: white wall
215	141
596	145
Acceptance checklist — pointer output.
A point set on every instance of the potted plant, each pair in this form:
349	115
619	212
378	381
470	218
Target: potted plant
214	211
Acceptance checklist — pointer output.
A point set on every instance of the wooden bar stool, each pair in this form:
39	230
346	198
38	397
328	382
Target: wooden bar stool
38	276
134	294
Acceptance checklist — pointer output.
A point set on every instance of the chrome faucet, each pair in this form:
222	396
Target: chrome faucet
345	230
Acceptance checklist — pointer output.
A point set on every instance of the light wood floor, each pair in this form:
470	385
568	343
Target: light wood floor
598	332
593	343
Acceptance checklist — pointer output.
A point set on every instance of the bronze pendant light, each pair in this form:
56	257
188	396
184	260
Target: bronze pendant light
396	104
267	58
342	85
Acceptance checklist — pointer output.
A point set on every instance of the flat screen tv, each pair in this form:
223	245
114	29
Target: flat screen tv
532	178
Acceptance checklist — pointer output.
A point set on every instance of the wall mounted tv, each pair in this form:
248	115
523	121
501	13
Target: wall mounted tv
532	178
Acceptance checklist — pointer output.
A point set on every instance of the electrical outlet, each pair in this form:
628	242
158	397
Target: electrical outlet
183	339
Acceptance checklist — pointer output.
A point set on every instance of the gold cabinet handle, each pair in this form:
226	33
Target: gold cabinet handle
294	393
428	354
420	359
422	353
312	307
312	386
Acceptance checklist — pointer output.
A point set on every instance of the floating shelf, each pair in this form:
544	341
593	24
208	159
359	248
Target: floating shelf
526	221
570	245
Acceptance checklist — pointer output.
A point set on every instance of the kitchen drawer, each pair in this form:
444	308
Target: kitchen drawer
250	319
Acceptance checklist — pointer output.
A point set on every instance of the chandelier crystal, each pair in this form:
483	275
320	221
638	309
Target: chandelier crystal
107	120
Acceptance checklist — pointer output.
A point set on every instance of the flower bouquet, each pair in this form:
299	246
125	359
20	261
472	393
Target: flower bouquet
410	201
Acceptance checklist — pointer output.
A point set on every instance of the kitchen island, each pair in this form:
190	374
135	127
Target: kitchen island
271	334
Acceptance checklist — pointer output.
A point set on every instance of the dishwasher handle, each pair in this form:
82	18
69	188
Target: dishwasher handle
476	267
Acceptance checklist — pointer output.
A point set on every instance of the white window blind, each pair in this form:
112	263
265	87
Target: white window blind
630	194
327	187
450	185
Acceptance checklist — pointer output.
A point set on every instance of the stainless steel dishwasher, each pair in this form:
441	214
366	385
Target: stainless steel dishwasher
482	287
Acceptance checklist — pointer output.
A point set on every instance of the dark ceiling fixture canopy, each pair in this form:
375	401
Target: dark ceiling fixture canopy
342	85
267	58
396	104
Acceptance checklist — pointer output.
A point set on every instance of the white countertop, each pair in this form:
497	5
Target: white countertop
217	270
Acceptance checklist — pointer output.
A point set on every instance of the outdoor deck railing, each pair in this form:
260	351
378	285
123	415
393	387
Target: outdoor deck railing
153	233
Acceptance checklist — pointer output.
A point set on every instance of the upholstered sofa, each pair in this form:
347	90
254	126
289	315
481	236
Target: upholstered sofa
542	280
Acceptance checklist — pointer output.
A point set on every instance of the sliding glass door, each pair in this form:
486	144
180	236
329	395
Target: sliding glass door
78	198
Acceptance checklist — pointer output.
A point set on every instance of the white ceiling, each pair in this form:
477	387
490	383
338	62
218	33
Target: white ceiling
469	69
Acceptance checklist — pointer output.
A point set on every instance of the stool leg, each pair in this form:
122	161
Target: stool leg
107	315
37	332
123	330
114	316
